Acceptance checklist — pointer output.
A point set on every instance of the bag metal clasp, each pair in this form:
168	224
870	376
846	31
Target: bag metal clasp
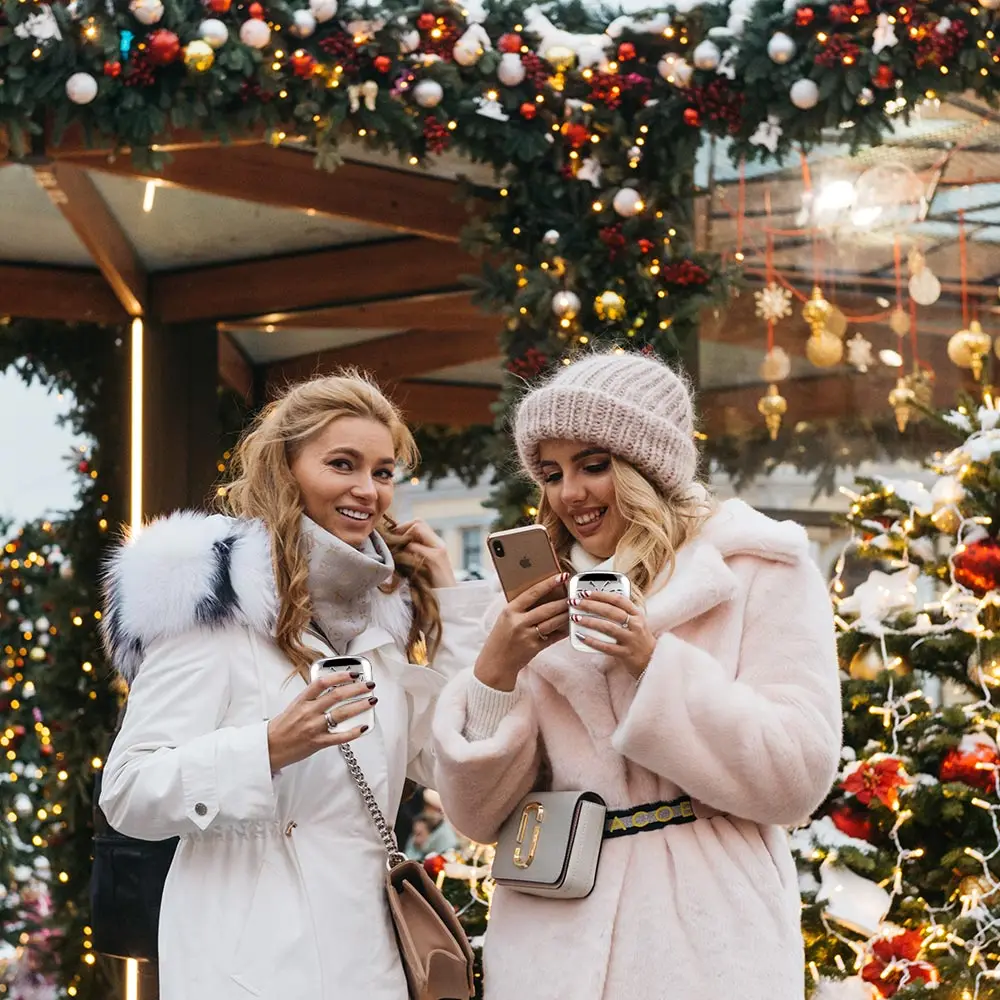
539	812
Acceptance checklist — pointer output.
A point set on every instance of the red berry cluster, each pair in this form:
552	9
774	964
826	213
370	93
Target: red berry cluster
536	69
937	49
841	13
720	103
341	48
610	88
250	91
436	134
840	50
140	71
614	239
443	45
532	364
684	272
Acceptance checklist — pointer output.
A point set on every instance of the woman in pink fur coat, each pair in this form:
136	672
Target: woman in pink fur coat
722	687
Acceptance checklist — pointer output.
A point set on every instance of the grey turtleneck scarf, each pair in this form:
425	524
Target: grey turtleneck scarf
341	581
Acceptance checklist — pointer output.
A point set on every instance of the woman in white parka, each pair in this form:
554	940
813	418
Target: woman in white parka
276	890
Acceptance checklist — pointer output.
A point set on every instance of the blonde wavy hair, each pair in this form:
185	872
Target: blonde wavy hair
656	526
264	488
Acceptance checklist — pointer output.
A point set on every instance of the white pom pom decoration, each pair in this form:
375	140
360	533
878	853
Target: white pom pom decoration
511	70
81	88
213	31
804	94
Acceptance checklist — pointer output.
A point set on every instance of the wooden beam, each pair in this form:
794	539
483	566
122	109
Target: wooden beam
59	293
75	195
445	403
75	144
235	371
390	359
400	267
402	201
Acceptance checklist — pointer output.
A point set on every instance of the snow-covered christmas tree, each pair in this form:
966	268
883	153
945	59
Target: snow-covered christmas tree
900	868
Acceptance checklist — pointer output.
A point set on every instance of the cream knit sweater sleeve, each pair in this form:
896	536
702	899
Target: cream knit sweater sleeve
486	709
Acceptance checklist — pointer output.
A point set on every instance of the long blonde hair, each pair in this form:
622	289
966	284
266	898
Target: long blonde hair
263	487
656	526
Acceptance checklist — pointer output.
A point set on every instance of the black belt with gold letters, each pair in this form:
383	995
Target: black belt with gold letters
652	816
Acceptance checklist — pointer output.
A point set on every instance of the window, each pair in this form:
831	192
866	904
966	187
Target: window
472	550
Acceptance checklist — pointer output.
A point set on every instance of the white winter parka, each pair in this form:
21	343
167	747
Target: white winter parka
276	888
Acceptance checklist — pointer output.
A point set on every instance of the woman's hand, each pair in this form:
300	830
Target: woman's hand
304	726
521	632
622	620
427	547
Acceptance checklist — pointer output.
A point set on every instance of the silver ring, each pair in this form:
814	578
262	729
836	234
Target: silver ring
628	618
331	723
541	634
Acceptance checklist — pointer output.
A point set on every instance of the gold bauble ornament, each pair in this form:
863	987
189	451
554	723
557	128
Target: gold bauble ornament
867	664
967	348
901	400
899	322
561	57
198	56
776	365
836	322
823	349
609	306
976	888
817	310
947	519
772	408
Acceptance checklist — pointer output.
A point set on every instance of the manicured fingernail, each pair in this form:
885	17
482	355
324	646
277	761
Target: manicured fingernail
355	674
373	701
575	618
371	685
575	601
564	577
364	729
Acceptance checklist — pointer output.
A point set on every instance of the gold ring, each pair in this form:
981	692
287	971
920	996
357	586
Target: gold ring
541	634
628	618
331	723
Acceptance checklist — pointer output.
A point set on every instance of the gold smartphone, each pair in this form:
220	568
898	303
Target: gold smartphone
523	557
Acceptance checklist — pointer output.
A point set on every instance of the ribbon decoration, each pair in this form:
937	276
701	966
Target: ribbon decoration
367	91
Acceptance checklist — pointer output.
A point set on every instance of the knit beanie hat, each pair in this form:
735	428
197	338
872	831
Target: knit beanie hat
635	406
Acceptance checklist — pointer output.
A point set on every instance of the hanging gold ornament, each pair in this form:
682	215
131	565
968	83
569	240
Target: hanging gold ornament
901	400
823	349
921	382
899	322
867	664
977	888
562	59
968	348
772	408
609	306
198	56
817	310
946	520
836	322
776	365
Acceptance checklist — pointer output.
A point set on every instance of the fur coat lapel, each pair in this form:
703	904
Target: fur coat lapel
192	570
598	689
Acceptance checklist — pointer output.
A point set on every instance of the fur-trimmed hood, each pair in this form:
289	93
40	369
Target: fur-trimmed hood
193	570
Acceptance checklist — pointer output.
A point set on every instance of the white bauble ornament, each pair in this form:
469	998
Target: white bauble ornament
706	55
551	237
511	70
566	305
146	11
467	53
43	624
409	42
925	289
81	88
804	94
674	69
13	604
303	24
323	10
428	93
213	31
255	33
627	202
780	48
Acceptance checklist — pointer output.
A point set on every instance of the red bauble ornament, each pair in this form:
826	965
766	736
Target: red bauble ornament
577	134
82	466
303	64
853	823
884	77
383	64
626	52
510	42
163	47
528	110
961	765
692	117
804	16
978	566
646	246
861	8
434	865
256	11
46	749
218	6
426	21
113	69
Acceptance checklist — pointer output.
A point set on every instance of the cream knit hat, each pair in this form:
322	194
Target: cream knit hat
635	406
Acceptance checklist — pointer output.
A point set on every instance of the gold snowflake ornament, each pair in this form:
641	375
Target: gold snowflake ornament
773	302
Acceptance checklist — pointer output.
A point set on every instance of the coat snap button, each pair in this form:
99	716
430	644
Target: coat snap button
200	808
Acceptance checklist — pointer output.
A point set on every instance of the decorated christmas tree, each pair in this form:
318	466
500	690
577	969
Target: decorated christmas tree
900	868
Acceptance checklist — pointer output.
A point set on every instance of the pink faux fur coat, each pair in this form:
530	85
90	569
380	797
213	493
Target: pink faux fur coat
740	709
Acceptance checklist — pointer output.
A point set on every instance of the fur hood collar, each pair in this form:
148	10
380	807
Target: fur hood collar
193	570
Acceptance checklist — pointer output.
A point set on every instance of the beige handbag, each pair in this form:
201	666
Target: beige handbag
551	845
436	954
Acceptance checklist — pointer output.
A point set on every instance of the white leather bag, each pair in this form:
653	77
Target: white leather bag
551	845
